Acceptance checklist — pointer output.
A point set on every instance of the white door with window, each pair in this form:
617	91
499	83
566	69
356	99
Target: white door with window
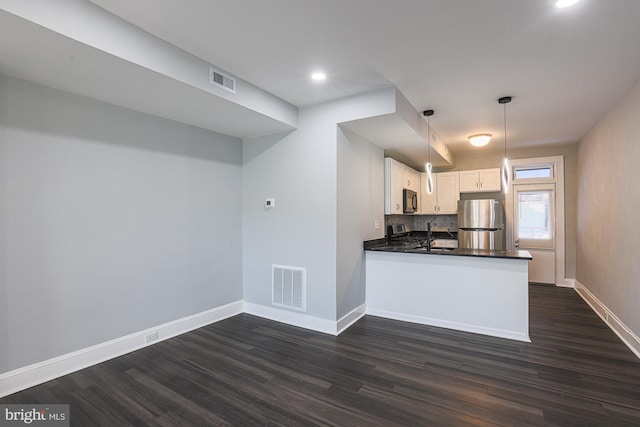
534	208
533	228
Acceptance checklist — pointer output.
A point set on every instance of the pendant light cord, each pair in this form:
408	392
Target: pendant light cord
506	169
504	101
505	130
429	136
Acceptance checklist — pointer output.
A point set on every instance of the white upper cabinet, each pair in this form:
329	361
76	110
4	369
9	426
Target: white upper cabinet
398	176
481	180
429	202
445	196
447	187
469	181
393	179
448	192
411	179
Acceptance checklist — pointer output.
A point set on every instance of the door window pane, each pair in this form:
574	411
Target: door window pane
534	210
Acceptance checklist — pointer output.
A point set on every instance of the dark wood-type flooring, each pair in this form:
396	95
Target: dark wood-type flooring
247	371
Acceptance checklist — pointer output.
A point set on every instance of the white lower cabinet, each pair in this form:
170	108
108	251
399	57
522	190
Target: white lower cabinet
445	196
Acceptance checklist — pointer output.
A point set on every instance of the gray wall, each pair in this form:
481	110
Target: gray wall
300	170
111	221
360	204
608	210
494	159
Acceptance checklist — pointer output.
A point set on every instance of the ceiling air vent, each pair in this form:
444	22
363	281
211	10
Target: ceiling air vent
288	287
222	80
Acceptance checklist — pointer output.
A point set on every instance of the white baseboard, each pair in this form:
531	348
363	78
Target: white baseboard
623	332
567	283
38	373
291	318
500	333
350	318
305	321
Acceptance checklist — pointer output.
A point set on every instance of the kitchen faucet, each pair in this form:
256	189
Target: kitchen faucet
427	243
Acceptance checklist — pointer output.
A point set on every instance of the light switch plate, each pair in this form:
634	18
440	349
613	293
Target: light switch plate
270	203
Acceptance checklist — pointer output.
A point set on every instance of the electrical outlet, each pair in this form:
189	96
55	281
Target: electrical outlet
151	337
377	224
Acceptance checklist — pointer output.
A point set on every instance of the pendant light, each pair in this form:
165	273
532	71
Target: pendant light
506	169
427	114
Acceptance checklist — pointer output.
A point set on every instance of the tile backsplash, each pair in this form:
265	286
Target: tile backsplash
419	222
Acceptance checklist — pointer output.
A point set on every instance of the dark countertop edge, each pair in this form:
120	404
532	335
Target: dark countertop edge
478	253
485	253
368	244
415	236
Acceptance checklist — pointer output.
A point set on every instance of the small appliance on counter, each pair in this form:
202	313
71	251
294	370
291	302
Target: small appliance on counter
481	224
399	237
396	230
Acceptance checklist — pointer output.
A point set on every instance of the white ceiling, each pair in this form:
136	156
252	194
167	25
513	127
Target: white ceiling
102	57
564	67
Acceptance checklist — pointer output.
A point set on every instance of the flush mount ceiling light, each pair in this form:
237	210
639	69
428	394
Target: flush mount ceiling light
318	76
429	166
506	169
560	4
480	139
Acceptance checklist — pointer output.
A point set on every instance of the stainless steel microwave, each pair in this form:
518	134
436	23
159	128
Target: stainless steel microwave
410	198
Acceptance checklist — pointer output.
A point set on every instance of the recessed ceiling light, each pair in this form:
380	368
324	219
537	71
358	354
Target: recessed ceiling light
318	76
565	3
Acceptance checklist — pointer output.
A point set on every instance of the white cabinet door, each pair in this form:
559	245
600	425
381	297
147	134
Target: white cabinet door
416	181
411	179
393	180
445	196
490	180
469	181
429	205
448	190
478	181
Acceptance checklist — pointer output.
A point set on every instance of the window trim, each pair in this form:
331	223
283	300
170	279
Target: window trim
550	165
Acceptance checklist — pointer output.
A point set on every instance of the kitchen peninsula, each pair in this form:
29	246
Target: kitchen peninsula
478	291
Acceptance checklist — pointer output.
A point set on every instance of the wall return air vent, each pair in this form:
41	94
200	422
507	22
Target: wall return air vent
289	287
222	80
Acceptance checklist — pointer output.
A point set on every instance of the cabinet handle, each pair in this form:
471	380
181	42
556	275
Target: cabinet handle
480	184
435	208
477	185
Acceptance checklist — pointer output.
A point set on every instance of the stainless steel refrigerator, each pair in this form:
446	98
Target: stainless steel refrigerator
481	224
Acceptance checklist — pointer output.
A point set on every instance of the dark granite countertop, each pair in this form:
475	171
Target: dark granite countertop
381	245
